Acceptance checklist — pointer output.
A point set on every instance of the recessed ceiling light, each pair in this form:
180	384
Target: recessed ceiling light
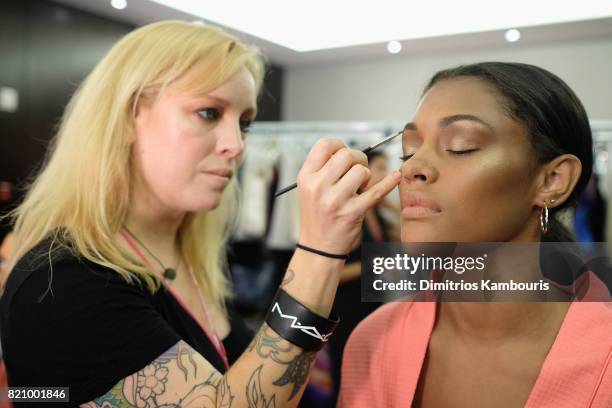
513	35
292	23
394	47
119	4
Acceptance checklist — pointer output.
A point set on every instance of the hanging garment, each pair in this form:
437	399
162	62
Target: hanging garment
285	227
257	172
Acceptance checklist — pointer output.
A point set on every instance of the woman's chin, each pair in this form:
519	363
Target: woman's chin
411	234
209	204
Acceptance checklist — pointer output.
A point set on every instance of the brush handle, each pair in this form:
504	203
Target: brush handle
366	151
284	190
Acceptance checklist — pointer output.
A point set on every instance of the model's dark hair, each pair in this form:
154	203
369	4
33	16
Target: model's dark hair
553	115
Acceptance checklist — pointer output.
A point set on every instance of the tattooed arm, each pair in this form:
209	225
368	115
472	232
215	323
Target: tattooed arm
271	372
181	377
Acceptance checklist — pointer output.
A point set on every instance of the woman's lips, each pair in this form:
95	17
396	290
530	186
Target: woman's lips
418	212
220	177
417	205
220	172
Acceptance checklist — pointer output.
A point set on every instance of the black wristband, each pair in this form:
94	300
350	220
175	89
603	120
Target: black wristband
295	323
326	254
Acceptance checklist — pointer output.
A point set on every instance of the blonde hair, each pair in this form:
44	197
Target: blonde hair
80	198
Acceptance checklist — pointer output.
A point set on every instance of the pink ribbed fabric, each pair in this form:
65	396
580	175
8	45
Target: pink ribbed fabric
383	358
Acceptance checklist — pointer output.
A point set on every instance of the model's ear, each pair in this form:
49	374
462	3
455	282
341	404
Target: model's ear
556	180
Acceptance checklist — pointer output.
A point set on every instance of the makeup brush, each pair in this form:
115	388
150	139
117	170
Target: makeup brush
366	151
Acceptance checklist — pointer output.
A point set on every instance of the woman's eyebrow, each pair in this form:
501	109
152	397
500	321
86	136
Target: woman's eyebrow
448	120
216	99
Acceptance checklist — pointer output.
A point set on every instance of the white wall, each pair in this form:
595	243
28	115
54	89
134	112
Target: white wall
389	88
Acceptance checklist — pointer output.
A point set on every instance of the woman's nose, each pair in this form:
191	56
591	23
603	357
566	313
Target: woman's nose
416	170
230	143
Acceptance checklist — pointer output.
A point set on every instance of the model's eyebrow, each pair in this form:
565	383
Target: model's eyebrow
250	111
448	120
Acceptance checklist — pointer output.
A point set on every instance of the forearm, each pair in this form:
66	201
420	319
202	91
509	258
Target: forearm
312	280
273	372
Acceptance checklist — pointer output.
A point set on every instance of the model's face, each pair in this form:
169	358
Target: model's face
468	170
187	148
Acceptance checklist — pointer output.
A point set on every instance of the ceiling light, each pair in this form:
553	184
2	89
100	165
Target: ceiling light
513	35
394	47
302	26
119	4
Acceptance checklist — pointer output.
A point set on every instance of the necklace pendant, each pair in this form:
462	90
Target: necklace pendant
169	273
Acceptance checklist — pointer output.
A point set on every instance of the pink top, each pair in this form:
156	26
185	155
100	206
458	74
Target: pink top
384	355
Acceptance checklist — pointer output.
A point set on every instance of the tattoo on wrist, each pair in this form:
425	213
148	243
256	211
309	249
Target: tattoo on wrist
289	275
296	373
254	394
268	344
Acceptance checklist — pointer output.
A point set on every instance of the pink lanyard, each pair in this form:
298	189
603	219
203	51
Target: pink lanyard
214	339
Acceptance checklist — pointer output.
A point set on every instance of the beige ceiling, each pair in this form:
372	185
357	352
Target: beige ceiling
141	12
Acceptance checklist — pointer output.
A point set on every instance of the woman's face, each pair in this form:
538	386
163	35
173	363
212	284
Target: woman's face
188	147
468	170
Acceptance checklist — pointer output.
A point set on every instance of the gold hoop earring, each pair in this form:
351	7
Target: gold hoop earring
544	219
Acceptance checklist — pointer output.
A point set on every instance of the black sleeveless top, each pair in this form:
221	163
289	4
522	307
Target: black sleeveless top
81	325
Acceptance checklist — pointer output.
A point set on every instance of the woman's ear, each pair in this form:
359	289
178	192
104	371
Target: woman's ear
140	117
557	180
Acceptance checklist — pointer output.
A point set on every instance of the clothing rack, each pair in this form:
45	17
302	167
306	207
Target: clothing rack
303	135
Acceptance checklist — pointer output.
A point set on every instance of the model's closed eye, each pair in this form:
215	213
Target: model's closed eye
462	152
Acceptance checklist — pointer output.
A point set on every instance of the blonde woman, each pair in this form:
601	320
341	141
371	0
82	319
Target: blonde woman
121	270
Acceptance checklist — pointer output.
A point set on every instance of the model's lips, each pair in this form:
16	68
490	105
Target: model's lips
227	173
416	204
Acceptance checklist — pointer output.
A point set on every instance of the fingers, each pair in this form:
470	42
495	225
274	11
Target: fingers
357	177
340	163
377	192
320	153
